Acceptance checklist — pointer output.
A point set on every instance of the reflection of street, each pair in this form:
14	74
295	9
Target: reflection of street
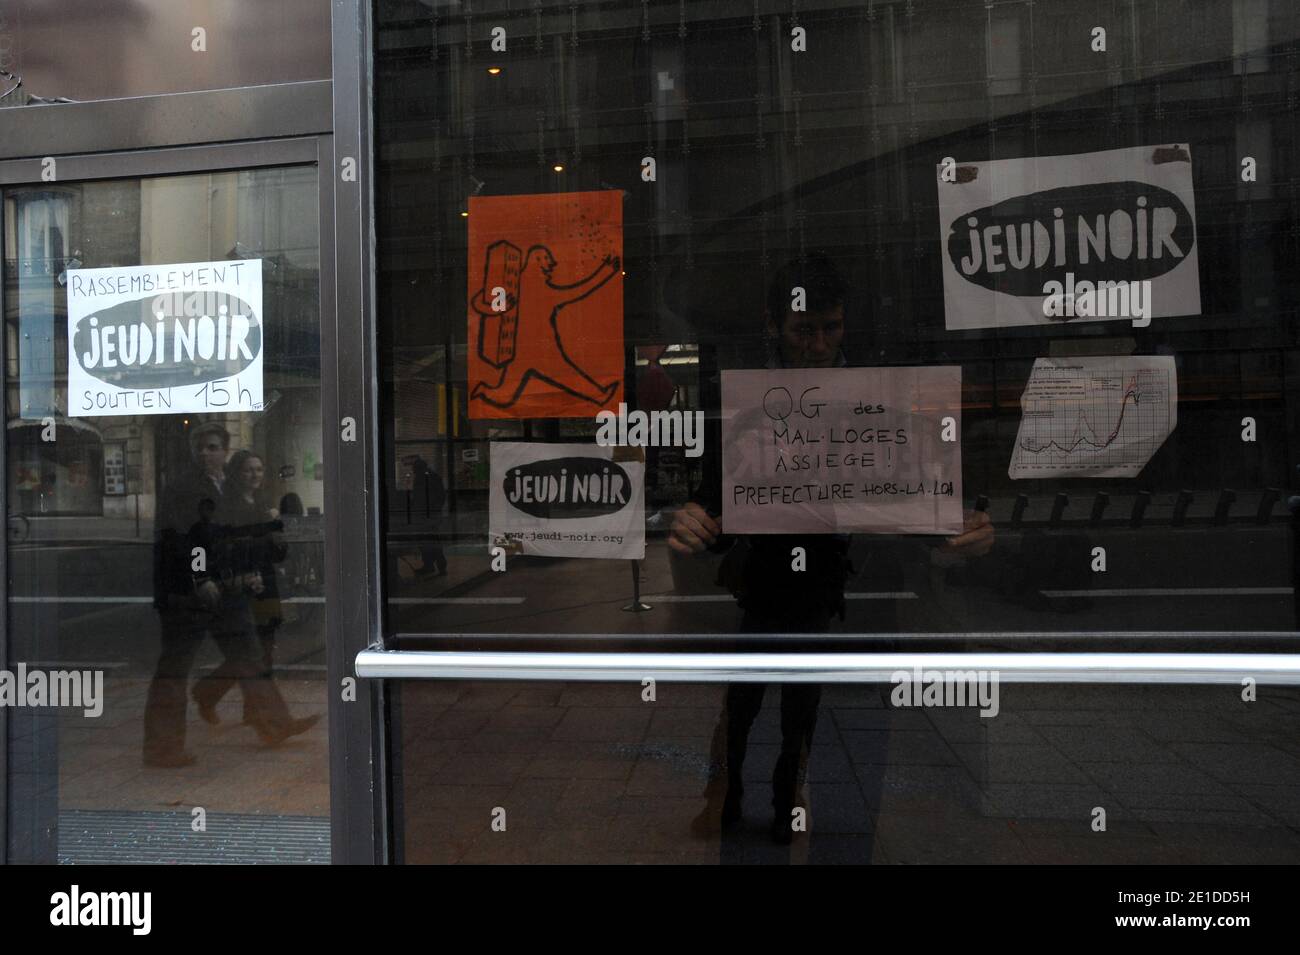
1036	580
109	806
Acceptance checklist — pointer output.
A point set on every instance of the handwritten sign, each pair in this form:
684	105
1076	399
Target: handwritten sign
876	450
165	339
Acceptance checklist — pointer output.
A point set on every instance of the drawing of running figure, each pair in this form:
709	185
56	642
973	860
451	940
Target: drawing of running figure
519	309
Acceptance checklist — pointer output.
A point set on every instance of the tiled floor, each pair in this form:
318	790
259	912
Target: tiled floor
592	773
89	797
69	769
100	765
588	773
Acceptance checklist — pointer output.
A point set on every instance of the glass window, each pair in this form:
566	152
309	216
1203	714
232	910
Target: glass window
165	520
861	244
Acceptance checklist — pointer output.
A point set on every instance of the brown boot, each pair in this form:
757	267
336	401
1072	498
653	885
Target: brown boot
275	735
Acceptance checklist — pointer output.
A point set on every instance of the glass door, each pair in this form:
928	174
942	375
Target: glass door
165	553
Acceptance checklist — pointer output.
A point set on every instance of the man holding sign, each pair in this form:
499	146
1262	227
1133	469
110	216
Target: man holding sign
791	578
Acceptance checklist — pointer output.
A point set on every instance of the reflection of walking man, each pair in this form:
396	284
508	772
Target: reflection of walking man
214	597
186	601
416	471
537	345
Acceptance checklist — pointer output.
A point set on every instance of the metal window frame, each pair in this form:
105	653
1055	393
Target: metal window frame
383	661
360	803
263	126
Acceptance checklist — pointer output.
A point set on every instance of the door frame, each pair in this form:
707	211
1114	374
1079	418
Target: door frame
264	126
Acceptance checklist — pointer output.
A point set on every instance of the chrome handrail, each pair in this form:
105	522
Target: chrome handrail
814	667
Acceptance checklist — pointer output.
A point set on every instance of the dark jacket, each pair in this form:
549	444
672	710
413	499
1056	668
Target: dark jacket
758	569
246	541
185	507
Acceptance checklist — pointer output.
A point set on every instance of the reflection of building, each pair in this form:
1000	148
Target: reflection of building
149	221
60	476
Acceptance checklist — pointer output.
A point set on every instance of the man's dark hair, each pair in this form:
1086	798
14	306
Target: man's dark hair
817	275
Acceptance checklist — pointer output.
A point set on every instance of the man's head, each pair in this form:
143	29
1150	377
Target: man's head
209	444
809	337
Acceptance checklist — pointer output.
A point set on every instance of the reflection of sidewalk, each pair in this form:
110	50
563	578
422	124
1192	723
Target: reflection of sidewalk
37	529
100	769
894	592
591	773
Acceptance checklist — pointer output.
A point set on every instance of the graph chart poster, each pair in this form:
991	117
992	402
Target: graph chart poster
875	450
545	305
1094	417
1044	240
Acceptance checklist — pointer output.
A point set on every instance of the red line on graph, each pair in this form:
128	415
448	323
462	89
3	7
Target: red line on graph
1130	392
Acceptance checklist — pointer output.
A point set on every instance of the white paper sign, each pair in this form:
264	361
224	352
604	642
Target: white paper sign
165	339
566	500
1029	241
842	449
1094	417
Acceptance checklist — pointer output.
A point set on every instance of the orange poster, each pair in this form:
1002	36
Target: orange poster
545	305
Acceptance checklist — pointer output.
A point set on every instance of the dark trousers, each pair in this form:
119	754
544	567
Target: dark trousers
210	689
799	702
433	558
167	703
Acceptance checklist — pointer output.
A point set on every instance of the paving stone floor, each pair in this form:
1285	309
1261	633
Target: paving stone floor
590	772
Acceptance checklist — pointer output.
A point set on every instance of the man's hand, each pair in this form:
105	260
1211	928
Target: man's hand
693	531
209	595
975	540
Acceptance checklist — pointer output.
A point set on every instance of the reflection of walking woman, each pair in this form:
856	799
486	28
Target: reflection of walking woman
248	508
248	550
